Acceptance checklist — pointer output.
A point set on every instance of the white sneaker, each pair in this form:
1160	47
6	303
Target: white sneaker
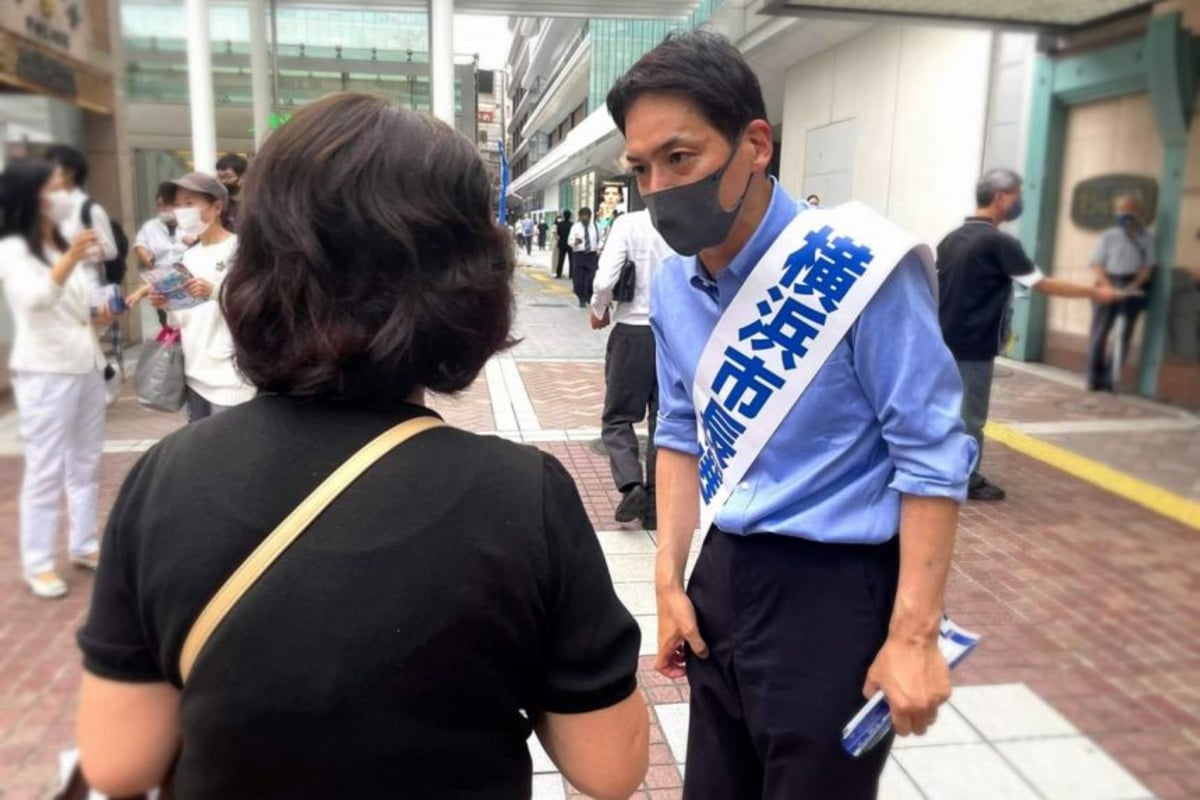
90	561
46	584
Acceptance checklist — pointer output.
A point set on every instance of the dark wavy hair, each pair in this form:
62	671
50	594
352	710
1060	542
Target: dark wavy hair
369	263
21	186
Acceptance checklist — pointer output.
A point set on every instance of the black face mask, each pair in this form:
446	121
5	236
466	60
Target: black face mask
690	217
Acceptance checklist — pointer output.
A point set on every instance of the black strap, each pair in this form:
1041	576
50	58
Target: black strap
87	212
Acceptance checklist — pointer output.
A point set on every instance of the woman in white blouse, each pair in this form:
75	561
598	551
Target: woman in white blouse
57	368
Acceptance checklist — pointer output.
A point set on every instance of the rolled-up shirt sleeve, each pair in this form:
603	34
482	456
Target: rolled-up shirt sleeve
676	415
910	378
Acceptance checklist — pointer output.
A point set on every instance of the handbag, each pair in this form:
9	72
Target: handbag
626	284
259	561
159	378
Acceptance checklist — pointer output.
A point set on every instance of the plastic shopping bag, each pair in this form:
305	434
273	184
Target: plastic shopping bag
159	376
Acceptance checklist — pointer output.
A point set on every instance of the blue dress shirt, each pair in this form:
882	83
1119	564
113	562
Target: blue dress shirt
880	419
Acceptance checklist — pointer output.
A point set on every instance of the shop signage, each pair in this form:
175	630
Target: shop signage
58	24
46	72
485	116
1092	199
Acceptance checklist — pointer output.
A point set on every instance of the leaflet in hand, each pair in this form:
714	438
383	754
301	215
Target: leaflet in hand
169	281
873	722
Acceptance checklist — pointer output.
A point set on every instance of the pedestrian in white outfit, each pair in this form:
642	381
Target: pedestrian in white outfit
57	368
214	383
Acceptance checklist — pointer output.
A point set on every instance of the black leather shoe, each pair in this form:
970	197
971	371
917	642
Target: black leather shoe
633	504
986	492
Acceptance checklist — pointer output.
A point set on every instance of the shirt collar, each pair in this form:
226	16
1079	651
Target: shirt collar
780	212
984	220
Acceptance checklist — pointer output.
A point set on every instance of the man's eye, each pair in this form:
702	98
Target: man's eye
678	158
638	169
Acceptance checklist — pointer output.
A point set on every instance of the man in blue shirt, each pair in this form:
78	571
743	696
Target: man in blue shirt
804	600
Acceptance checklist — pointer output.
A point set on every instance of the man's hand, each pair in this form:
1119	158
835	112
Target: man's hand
676	625
1106	293
915	679
157	300
599	323
198	287
103	317
138	296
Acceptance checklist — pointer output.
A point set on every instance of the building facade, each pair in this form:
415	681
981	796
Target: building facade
565	148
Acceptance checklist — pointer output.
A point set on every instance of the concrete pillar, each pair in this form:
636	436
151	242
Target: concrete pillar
441	59
200	86
260	74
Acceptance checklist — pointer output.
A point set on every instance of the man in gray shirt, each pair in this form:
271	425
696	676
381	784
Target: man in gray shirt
1123	259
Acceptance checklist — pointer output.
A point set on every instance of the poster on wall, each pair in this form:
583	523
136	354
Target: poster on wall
610	200
58	24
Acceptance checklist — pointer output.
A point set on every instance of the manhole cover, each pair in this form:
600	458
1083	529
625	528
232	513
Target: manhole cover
597	447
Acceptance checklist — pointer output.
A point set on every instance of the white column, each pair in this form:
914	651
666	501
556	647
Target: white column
441	58
200	86
260	77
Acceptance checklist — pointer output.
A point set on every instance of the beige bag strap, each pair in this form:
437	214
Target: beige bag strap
289	531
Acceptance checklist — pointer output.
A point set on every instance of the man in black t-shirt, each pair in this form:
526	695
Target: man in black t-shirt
977	264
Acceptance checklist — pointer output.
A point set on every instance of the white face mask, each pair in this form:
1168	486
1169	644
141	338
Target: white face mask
189	221
61	206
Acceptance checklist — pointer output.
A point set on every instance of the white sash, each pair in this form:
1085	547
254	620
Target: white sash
793	310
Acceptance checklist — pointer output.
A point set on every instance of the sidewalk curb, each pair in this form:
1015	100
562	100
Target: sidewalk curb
1146	495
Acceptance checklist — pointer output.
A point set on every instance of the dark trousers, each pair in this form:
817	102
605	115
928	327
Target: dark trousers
583	272
1101	367
528	245
558	265
977	394
631	393
792	627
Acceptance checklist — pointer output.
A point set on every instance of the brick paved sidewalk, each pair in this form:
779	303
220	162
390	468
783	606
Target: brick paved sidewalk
1084	687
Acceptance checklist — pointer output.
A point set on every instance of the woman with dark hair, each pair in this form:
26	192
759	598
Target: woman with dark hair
453	599
57	372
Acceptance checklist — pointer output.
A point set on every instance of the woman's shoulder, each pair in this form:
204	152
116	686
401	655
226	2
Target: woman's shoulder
13	247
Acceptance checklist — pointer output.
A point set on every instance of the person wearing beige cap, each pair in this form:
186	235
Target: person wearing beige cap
213	381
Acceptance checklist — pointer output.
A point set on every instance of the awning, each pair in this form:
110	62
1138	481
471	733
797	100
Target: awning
596	132
585	9
1048	15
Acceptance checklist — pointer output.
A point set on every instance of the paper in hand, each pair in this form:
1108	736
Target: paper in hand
874	720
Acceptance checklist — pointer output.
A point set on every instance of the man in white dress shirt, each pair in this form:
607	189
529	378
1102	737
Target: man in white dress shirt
71	168
631	386
585	244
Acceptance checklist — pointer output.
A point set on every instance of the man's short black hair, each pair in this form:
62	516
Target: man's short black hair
585	210
234	162
702	67
71	160
166	192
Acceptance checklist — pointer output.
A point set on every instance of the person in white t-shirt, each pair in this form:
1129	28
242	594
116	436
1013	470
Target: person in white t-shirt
57	369
631	383
213	381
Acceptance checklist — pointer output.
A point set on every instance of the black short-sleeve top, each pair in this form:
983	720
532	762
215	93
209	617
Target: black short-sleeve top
399	647
977	264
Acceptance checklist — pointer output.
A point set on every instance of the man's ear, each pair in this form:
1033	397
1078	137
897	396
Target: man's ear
758	133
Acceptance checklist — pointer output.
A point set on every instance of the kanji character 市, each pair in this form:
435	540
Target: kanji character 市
792	325
828	269
749	375
721	431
